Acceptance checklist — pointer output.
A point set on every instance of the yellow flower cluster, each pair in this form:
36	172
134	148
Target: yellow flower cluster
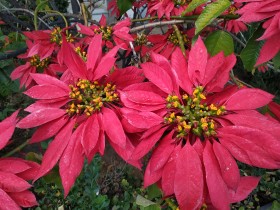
106	32
39	64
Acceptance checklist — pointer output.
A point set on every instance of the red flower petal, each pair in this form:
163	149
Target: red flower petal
246	185
115	133
148	142
217	188
144	97
48	130
151	177
6	202
248	98
13	165
188	184
24	199
90	134
40	117
12	183
55	149
44	79
71	161
158	76
197	62
94	52
46	92
229	169
7	127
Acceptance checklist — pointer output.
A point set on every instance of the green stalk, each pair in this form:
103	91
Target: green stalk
36	14
17	149
59	13
180	39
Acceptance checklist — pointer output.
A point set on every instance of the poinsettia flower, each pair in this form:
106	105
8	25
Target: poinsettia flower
118	35
35	64
114	9
234	26
14	192
46	42
198	125
166	44
7	127
268	10
79	112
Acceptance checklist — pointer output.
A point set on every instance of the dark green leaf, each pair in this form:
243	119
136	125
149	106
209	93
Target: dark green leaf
193	5
275	205
124	5
153	192
276	60
251	52
219	41
211	12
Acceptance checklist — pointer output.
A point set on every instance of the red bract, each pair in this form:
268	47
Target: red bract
14	192
268	10
80	111
7	127
118	35
199	126
275	110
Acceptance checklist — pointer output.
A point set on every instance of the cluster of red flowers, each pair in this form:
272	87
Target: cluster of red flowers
179	105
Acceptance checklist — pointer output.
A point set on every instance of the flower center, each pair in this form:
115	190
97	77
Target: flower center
57	38
39	64
141	39
89	97
106	32
81	53
179	3
191	115
174	39
232	9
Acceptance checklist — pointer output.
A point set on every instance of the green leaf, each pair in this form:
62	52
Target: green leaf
193	5
211	12
124	5
275	205
141	201
250	53
153	191
276	60
219	41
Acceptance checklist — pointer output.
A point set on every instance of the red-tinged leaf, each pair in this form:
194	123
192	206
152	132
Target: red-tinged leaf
12	183
55	149
144	97
158	76
48	130
168	177
94	52
19	71
162	152
197	62
123	34
71	161
42	104
188	182
257	155
86	30
151	177
260	138
275	109
237	152
7	127
138	106
125	153
254	119
229	169
106	64
113	127
90	134
179	63
246	185
40	117
143	119
147	143
44	79
6	202
217	188
13	165
46	92
30	174
221	97
248	98
124	23
24	199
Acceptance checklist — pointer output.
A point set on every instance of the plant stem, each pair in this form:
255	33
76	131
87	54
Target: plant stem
17	149
180	39
36	14
84	13
60	14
